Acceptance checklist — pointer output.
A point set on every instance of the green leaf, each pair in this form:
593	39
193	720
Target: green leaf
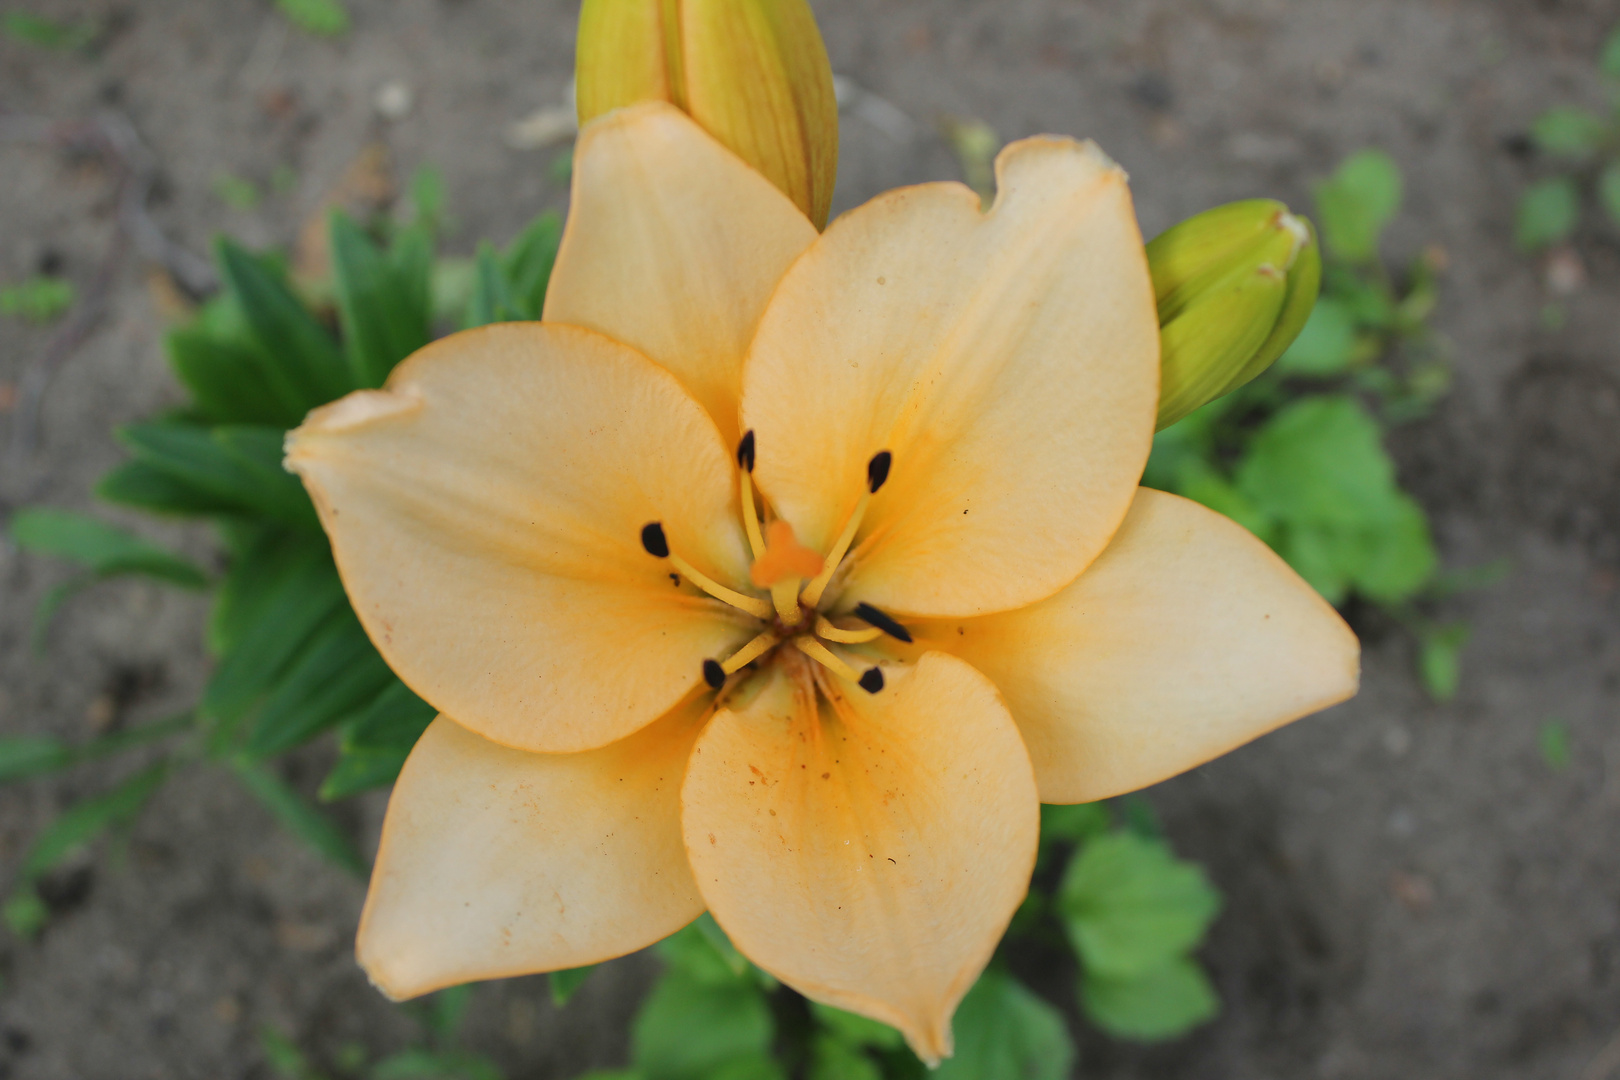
1609	191
1356	202
284	1057
385	314
284	329
323	18
101	548
230	380
832	1058
38	300
1440	651
1609	62
1399	557
30	755
85	821
492	296
298	817
393	722
336	674
689	1029
1327	344
1005	1032
1153	1006
704	956
1130	905
446	1010
1074	823
527	264
229	469
1554	745
361	770
24	913
261	564
565	983
855	1029
36	30
236	192
1548	214
1569	131
1321	460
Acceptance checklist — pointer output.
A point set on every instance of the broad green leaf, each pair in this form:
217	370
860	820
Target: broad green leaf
298	817
85	821
492	296
1356	202
1005	1032
755	1066
1200	481
99	547
445	1012
1609	191
1130	905
1325	346
565	983
336	674
361	770
1439	659
30	755
689	1029
1399	556
698	955
306	596
1320	460
392	722
323	18
1548	214
385	316
1153	1006
1568	131
1074	823
527	263
832	1058
855	1029
230	380
39	300
284	329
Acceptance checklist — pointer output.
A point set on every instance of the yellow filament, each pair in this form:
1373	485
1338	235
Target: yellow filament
818	652
850	637
785	595
750	517
751	604
818	584
750	652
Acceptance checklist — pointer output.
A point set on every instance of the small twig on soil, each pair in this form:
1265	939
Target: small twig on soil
112	138
1607	1062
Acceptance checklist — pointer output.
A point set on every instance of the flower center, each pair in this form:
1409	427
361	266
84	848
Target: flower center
781	565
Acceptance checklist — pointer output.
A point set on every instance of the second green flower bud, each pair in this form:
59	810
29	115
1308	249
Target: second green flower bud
1234	286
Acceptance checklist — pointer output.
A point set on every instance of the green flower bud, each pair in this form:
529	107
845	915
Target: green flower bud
1234	287
753	73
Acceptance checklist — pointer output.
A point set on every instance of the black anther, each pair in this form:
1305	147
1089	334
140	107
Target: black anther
872	680
873	617
652	538
877	470
745	453
715	675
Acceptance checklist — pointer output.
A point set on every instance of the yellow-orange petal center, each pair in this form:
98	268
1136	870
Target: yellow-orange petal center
785	559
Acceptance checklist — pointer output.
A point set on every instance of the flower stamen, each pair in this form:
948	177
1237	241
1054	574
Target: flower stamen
750	652
657	545
827	630
882	621
871	680
877	471
745	465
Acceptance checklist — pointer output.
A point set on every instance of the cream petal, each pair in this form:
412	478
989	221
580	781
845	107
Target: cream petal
673	246
1008	360
498	862
486	509
1185	639
868	850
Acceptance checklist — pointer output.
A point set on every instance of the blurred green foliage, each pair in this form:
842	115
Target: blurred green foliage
1581	148
38	300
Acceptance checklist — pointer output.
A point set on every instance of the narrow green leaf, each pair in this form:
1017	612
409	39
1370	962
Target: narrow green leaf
1153	1006
284	1057
85	821
689	1030
39	300
99	547
393	722
1568	131
265	559
1006	1032
446	1010
1130	905
491	297
337	673
298	817
1439	657
283	327
36	30
527	264
361	770
146	487
323	18
1609	191
229	469
1609	61
385	317
24	913
257	452
1553	742
1548	214
565	983
31	755
230	380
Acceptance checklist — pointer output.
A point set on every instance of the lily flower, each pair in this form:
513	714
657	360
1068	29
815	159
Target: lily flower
784	575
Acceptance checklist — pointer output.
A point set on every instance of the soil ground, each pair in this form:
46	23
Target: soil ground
1412	890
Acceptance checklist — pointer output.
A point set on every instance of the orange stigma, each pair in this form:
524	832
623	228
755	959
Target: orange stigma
784	558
